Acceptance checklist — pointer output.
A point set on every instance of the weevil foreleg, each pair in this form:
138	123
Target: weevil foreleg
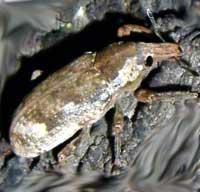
149	96
127	29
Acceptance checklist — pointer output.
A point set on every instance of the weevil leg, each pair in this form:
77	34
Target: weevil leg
117	129
127	29
68	149
149	96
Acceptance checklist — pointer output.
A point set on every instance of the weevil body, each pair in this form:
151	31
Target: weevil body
80	94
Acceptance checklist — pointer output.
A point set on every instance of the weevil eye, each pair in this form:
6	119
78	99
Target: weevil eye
149	61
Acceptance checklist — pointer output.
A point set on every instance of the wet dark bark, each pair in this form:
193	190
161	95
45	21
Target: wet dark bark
176	21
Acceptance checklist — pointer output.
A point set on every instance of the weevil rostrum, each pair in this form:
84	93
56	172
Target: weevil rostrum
81	93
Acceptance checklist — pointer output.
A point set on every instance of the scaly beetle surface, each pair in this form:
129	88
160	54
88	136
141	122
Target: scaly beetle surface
79	94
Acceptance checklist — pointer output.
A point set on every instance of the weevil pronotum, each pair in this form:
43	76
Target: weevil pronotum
79	94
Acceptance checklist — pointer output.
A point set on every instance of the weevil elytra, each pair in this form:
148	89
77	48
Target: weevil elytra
79	94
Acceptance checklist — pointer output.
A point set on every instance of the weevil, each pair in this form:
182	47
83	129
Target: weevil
78	95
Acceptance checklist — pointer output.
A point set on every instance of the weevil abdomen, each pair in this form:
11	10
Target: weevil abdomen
78	95
58	108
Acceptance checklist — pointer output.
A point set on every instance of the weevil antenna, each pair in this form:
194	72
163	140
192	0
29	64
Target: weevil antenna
182	63
154	24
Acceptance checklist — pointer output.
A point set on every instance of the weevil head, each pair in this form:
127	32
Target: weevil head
150	54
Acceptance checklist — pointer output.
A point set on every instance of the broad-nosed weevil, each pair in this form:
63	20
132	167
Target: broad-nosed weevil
78	95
